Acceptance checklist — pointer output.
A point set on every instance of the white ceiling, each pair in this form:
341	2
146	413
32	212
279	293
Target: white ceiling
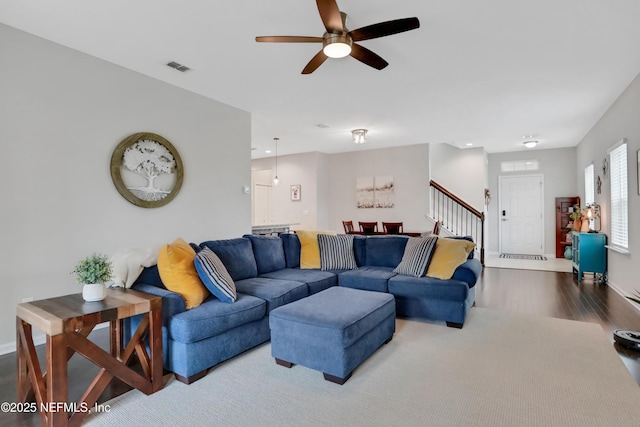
480	72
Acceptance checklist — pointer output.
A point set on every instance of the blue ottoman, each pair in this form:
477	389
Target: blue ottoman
332	331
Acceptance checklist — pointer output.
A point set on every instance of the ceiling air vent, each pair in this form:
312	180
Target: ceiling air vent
178	67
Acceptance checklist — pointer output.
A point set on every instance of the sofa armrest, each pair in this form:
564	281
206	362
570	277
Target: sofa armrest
172	303
468	272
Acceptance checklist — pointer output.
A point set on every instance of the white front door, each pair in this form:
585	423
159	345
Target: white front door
521	208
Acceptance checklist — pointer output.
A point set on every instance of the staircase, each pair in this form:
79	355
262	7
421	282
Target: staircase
456	216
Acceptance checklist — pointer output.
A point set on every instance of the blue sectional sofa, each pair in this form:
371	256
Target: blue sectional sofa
267	274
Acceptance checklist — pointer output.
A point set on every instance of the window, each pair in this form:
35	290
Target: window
589	194
519	165
619	195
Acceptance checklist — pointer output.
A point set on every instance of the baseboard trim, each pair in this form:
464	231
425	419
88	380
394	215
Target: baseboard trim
623	295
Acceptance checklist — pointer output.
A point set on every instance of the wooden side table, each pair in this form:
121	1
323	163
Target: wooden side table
67	321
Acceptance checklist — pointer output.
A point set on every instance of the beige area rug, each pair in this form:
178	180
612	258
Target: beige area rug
500	370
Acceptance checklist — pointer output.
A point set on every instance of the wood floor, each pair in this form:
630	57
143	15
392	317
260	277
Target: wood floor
542	293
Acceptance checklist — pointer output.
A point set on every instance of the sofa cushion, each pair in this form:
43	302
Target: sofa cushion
384	251
367	278
316	280
275	292
291	245
428	288
150	276
236	255
309	249
449	254
268	252
336	252
417	255
178	272
215	317
215	276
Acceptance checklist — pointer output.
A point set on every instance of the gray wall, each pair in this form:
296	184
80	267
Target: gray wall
310	171
559	179
461	171
409	166
62	113
621	121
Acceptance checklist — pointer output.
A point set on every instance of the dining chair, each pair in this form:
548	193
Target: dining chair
392	227
348	226
368	227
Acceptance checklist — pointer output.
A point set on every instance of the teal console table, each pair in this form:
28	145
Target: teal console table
590	255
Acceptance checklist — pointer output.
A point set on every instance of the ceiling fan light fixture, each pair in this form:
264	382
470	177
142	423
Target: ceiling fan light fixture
336	45
359	135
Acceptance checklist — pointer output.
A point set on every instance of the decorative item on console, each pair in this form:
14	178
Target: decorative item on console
592	215
93	272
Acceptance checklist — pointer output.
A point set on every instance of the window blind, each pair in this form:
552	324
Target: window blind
589	193
619	196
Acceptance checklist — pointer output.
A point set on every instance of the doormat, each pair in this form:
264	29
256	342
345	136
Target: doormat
531	257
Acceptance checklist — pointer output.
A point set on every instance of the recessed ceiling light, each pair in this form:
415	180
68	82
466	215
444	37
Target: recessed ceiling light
267	151
469	144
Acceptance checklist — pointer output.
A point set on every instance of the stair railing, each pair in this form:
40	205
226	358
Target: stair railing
457	216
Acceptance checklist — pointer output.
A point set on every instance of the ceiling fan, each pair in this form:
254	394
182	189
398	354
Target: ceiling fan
338	41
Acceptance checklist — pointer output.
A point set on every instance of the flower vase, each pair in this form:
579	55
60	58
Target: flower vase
586	225
92	292
568	252
577	224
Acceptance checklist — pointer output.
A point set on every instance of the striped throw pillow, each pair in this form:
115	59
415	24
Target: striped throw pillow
417	255
215	276
336	252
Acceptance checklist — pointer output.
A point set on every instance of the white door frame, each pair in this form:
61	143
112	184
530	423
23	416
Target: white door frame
542	220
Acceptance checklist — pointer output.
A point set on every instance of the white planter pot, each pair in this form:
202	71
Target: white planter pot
94	292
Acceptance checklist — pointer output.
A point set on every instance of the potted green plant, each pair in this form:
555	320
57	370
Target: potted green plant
93	272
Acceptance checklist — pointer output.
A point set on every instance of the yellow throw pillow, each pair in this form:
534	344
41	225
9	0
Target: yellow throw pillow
309	249
178	272
449	255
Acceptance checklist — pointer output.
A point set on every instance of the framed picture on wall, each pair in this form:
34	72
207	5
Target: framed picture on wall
146	169
296	192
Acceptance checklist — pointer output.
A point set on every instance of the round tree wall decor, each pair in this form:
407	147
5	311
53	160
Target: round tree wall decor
146	170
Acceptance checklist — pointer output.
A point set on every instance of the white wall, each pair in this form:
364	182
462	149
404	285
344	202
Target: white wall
409	166
620	121
62	113
308	170
461	171
558	169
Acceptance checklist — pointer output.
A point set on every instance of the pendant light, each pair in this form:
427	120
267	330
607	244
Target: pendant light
276	181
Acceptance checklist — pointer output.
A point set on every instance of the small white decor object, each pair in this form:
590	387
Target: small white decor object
93	272
94	292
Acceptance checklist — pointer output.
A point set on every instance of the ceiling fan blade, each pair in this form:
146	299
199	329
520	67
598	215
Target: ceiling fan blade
315	62
386	28
366	56
289	39
330	15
